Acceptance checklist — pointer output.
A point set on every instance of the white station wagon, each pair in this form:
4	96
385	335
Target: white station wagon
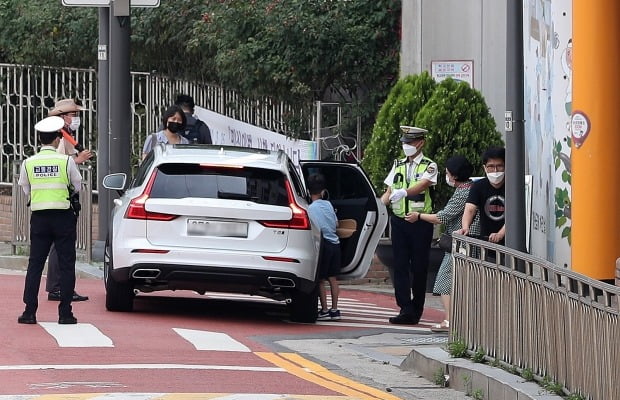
232	219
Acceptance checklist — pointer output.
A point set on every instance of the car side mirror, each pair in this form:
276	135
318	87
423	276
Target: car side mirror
115	182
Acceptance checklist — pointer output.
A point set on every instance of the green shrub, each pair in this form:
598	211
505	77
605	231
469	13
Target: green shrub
459	122
404	101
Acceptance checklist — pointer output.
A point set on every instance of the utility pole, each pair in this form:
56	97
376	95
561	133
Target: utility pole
120	87
514	126
103	125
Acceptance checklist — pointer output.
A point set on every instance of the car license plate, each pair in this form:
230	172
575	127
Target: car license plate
203	227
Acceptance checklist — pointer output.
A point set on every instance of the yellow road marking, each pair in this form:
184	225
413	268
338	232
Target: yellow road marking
315	373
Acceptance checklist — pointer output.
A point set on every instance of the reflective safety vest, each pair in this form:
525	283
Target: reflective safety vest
49	180
420	202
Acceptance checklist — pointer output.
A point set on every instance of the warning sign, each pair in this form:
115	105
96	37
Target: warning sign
458	70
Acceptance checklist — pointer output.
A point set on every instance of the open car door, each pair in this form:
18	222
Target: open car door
362	215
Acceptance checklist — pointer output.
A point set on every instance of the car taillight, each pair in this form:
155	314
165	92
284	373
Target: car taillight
299	220
136	209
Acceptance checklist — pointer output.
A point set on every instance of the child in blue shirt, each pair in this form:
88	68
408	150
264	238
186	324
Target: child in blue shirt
322	214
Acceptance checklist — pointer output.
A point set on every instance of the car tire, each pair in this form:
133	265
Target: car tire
304	306
118	295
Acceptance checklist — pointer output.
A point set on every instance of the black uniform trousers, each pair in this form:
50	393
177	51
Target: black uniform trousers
47	227
411	245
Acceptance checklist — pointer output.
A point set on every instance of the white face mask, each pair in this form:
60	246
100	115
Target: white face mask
409	150
449	182
75	123
495	177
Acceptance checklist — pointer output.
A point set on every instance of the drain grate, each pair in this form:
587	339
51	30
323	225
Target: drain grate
427	340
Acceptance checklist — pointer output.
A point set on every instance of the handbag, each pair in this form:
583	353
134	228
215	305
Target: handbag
445	242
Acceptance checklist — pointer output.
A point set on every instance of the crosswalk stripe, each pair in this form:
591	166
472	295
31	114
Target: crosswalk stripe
78	335
205	340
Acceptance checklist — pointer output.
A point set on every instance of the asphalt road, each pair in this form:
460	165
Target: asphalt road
212	346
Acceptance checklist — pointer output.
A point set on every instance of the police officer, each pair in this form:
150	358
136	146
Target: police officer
408	192
50	178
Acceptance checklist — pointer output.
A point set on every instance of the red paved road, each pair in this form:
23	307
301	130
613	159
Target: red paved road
143	341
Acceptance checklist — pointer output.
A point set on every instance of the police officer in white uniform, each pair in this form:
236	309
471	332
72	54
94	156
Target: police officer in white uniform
50	178
408	192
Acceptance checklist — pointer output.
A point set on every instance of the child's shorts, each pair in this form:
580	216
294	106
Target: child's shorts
329	259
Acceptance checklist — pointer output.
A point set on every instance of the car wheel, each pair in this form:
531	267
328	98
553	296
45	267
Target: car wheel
304	306
119	295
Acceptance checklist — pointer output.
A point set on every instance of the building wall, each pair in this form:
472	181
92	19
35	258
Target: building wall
476	30
459	30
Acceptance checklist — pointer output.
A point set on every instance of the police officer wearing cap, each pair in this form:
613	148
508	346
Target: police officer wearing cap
50	178
408	192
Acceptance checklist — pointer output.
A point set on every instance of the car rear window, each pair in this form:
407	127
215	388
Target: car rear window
178	181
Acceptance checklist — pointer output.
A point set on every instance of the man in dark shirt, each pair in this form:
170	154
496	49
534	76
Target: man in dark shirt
196	131
487	195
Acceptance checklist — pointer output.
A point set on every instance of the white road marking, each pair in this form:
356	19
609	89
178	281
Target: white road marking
78	335
205	340
36	367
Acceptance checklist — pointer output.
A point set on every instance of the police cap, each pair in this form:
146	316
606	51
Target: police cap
49	125
411	133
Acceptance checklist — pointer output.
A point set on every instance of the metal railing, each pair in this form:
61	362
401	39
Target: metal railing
530	313
21	214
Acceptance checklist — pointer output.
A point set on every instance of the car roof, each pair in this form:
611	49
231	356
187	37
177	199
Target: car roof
221	155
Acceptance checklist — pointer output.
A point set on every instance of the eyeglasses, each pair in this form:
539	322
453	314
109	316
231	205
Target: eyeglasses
494	167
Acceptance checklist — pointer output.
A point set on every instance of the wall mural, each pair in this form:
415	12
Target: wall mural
547	29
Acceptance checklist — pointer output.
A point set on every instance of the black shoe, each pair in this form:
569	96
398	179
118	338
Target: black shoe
26	318
55	296
67	320
404	319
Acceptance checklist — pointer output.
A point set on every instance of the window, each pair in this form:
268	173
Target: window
178	181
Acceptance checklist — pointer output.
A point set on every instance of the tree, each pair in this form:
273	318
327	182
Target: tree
39	32
403	103
459	122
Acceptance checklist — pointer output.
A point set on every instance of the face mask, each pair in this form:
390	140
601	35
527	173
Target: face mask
495	177
409	150
75	123
174	127
449	182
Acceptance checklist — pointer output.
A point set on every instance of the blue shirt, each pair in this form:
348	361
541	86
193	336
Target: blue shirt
322	214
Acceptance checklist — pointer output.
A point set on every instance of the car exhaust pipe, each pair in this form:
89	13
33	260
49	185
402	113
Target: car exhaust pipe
281	282
146	273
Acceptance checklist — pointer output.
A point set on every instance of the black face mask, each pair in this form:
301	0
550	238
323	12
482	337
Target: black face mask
174	127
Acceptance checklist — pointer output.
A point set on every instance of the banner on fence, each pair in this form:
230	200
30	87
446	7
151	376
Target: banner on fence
231	132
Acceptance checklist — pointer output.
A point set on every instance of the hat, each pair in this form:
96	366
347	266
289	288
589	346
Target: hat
411	133
64	106
49	125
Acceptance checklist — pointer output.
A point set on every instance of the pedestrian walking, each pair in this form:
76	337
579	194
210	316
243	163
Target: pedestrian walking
196	131
323	215
458	172
174	122
50	180
69	111
408	191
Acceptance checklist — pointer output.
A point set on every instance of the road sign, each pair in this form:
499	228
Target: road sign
106	3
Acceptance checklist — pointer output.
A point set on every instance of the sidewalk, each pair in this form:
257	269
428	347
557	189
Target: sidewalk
406	363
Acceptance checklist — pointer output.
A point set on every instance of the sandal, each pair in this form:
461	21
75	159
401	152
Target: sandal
444	326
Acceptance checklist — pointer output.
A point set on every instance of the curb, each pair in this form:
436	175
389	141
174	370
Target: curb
468	377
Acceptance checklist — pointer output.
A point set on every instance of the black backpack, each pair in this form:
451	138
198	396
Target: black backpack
192	132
